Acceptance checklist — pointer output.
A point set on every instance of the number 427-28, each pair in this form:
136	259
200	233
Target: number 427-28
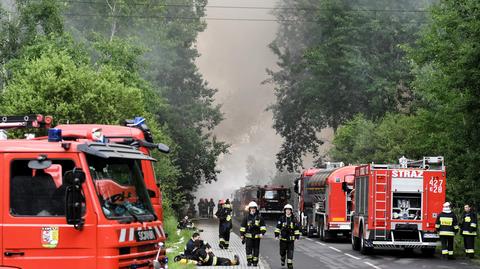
436	185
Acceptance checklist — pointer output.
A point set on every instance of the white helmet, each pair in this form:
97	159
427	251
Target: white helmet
252	204
288	206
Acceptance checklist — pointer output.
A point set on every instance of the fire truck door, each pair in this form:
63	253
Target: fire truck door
35	232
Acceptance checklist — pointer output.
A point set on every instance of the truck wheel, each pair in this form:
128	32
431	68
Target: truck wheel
428	252
321	232
355	242
309	232
363	248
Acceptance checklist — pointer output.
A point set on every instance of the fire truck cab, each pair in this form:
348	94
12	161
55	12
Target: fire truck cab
396	205
75	203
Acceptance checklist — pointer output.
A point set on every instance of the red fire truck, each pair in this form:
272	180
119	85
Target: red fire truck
324	201
331	217
270	199
75	203
134	133
396	206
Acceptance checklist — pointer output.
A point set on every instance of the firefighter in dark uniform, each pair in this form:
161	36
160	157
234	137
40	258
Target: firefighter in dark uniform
205	257
224	215
469	230
251	231
447	227
288	230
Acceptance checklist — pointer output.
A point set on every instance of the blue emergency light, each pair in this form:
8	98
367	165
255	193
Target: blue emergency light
137	121
54	135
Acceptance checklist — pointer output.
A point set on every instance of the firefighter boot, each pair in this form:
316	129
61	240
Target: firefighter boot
249	261
282	260
290	264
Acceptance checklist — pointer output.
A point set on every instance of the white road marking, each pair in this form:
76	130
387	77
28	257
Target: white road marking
351	256
336	249
320	243
372	265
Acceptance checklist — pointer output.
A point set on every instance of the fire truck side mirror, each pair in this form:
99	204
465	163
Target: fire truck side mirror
74	198
163	148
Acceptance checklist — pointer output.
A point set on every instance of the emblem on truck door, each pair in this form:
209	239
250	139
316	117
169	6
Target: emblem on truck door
50	237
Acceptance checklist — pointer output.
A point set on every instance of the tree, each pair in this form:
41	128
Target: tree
166	32
337	59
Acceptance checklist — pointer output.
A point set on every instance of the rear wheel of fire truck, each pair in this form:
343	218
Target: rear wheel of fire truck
363	248
428	252
310	231
355	242
321	232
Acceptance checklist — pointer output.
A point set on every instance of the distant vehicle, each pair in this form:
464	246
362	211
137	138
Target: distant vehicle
396	205
325	200
270	198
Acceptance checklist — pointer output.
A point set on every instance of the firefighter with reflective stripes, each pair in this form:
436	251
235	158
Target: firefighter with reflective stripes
469	230
224	214
251	231
447	227
288	230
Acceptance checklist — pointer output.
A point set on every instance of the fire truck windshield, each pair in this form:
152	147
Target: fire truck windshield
120	188
275	194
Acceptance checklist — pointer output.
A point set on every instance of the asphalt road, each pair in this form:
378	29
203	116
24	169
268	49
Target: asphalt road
311	253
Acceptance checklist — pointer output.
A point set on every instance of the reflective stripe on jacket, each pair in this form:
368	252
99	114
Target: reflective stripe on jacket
288	228
469	223
253	226
446	224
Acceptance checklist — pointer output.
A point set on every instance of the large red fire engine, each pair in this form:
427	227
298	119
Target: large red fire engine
75	203
331	217
270	199
324	200
396	205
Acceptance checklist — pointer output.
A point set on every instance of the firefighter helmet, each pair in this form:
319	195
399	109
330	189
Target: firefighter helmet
288	206
446	208
252	204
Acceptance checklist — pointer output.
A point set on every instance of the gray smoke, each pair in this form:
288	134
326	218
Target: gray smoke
234	57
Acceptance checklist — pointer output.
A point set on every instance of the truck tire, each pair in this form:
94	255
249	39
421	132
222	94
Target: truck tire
364	250
428	252
309	232
355	242
321	232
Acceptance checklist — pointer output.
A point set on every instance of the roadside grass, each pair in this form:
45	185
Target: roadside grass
177	239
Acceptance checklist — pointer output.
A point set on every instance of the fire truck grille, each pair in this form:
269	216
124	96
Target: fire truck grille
139	256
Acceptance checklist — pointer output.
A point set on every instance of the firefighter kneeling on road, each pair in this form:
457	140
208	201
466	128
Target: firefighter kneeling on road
251	231
469	230
447	227
224	214
288	231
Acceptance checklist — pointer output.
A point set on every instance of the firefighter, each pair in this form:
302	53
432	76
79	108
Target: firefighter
251	231
211	207
469	230
204	255
288	230
447	227
224	215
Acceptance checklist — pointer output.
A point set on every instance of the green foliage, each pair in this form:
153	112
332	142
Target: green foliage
345	60
166	42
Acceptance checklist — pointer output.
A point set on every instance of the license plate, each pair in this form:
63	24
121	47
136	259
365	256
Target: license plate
145	235
430	236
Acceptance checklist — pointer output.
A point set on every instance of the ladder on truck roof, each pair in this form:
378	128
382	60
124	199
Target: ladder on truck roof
26	121
380	206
